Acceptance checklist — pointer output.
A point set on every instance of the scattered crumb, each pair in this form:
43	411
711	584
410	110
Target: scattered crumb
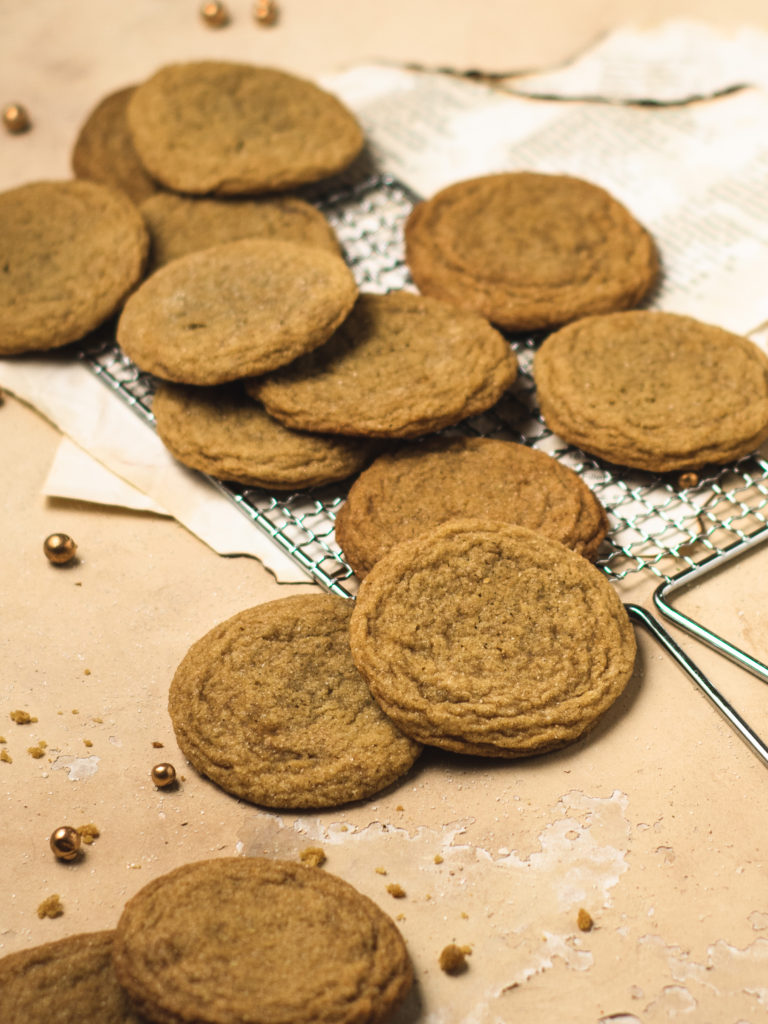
400	917
98	719
38	751
380	871
428	896
465	915
396	890
2	739
399	807
22	717
438	858
86	671
453	959
59	712
88	743
88	833
75	711
343	829
5	756
314	856
584	920
157	744
51	907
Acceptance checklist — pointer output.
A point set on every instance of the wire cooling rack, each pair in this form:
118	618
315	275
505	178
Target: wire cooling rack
659	525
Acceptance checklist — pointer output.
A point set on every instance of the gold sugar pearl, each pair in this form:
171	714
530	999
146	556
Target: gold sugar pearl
59	548
215	14
265	12
686	480
16	119
163	775
65	842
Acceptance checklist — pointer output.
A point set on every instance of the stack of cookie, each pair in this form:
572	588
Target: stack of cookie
227	941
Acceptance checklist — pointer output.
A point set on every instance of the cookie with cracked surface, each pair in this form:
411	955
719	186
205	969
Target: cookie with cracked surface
182	224
70	252
400	365
215	127
654	391
530	251
104	150
226	434
68	981
407	493
235	309
490	639
271	707
256	941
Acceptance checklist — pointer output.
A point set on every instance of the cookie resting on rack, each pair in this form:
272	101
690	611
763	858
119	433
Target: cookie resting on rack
489	639
271	707
254	941
222	128
68	981
400	365
182	224
235	309
71	251
530	251
409	492
654	391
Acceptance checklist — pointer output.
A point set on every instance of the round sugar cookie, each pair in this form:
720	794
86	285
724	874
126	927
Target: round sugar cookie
256	941
490	639
226	434
530	251
654	391
104	150
271	707
235	309
400	365
407	493
182	224
232	129
67	982
70	251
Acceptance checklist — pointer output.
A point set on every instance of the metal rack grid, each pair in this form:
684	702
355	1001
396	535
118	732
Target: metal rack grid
657	526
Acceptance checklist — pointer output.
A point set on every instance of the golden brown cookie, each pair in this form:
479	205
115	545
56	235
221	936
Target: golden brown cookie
64	982
223	432
401	365
530	251
104	149
182	224
255	941
271	707
235	309
233	129
409	492
654	391
70	251
491	639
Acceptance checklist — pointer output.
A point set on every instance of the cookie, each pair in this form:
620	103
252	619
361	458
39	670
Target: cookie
409	492
182	224
71	251
270	706
654	391
66	982
256	941
235	309
491	639
400	365
104	151
224	433
530	251
212	127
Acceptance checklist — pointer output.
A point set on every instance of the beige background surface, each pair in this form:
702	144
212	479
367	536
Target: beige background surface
655	823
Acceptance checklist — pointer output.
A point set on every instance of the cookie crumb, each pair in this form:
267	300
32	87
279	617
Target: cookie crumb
88	743
399	807
396	890
98	719
88	833
3	739
22	717
464	915
453	959
157	744
314	856
86	671
51	907
38	751
380	871
5	756
75	711
438	858
584	920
